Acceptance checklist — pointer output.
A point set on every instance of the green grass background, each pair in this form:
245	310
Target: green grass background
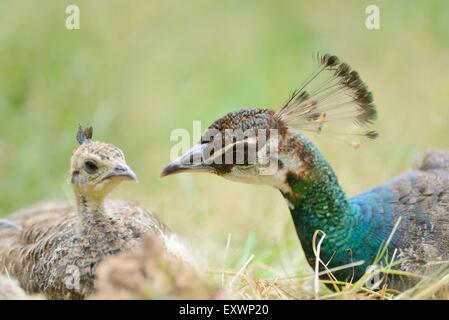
136	70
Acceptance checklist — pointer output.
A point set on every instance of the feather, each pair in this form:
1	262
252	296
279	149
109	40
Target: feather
84	134
332	93
80	137
88	133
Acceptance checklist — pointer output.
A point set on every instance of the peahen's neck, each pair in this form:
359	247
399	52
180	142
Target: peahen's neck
317	202
91	210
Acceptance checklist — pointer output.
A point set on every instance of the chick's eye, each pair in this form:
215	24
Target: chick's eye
90	166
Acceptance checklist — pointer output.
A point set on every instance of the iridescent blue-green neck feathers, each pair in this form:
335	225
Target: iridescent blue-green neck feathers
354	228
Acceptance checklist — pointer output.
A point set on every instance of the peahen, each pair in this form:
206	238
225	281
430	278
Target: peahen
413	208
55	248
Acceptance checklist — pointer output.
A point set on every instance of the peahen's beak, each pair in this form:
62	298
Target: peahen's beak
191	161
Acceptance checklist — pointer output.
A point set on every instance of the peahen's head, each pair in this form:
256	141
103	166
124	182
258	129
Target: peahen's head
97	167
237	147
261	146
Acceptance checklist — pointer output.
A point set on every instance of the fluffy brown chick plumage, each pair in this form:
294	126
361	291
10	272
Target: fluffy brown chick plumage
54	248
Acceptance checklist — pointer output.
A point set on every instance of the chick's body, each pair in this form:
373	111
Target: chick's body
55	248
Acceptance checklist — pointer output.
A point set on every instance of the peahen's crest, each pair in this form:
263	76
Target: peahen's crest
83	135
333	93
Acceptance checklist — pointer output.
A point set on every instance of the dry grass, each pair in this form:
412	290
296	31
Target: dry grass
248	285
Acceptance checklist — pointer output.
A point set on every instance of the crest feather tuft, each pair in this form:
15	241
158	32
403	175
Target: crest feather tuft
83	135
340	95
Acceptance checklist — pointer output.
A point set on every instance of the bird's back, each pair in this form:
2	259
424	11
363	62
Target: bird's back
420	198
423	204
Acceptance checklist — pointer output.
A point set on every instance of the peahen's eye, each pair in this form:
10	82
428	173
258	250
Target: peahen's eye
90	166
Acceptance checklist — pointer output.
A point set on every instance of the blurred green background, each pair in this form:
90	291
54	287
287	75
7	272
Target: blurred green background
137	70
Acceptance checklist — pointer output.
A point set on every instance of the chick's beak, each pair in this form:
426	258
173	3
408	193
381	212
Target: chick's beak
191	161
123	171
